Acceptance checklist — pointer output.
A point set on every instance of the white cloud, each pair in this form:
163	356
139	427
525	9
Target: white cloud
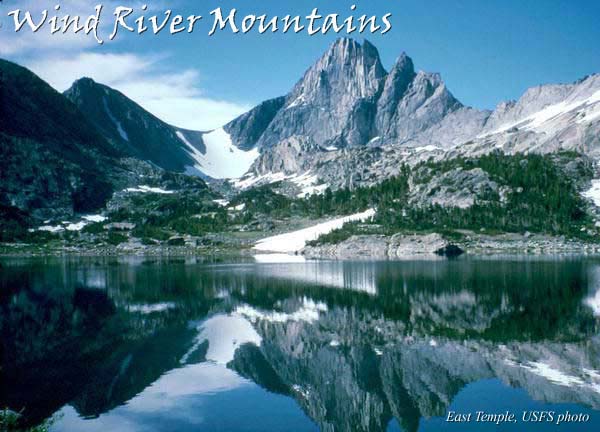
25	42
60	59
60	72
173	96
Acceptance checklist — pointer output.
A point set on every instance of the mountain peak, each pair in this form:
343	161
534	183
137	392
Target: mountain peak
347	69
129	127
347	49
404	64
84	81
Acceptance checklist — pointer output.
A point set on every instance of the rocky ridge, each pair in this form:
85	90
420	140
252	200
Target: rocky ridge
348	118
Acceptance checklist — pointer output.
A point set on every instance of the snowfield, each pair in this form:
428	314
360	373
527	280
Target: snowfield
222	159
294	241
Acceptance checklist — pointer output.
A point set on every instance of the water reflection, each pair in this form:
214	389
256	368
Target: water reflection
142	344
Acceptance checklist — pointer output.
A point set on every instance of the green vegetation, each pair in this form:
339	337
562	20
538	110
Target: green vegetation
535	193
540	198
10	421
115	238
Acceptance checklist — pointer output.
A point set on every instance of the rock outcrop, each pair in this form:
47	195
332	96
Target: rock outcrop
398	246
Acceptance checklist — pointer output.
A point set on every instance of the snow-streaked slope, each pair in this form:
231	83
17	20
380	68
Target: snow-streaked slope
296	240
222	159
582	109
117	123
308	182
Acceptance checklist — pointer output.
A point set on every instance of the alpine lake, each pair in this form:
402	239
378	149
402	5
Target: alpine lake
193	344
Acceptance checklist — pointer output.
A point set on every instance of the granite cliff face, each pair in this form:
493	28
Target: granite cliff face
349	119
347	100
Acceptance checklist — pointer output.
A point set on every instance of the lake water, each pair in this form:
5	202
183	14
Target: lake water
133	344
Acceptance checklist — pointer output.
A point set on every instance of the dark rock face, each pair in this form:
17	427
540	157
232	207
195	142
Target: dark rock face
450	251
246	130
52	159
131	129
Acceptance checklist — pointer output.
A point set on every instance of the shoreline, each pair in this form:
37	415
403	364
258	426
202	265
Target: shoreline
360	247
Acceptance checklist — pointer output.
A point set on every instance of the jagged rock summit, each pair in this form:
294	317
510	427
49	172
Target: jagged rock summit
347	99
349	119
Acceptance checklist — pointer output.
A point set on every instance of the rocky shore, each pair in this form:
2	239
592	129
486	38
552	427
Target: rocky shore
407	246
374	247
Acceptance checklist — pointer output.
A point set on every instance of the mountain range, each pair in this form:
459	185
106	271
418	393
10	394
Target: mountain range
347	122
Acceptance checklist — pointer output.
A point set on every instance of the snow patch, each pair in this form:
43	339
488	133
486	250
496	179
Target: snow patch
221	202
308	312
301	391
72	226
115	121
553	375
95	218
593	192
300	100
279	258
222	159
250	180
427	148
307	182
594	303
51	228
151	308
76	226
149	189
296	240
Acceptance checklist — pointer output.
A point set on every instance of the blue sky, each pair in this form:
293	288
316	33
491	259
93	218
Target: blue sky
486	51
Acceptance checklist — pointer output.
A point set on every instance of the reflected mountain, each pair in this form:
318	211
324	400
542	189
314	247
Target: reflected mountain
356	346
